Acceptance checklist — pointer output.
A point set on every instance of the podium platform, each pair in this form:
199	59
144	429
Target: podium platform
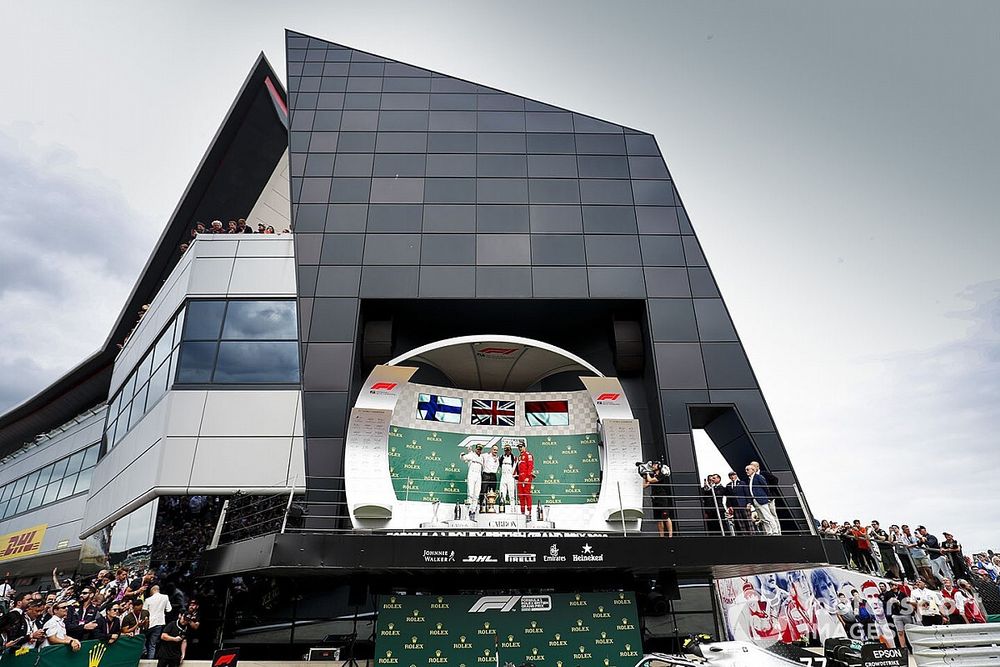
491	521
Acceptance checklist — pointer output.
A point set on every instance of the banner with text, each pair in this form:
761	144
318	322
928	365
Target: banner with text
22	543
427	465
556	629
123	653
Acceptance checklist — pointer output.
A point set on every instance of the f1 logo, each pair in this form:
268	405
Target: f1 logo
498	602
498	350
226	657
609	397
386	386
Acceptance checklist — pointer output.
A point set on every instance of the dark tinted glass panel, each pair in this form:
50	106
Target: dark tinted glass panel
551	143
272	320
501	142
204	320
401	142
257	362
451	142
196	362
600	144
451	164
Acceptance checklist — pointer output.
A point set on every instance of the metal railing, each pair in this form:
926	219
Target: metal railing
323	508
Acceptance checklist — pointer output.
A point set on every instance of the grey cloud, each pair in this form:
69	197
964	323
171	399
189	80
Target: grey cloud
71	250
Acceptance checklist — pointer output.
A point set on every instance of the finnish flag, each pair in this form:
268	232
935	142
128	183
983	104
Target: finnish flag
433	408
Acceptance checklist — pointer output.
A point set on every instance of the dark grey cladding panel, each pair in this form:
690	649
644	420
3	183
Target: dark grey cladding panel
408	184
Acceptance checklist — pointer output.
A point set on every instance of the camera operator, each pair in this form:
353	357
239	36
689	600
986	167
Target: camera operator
656	475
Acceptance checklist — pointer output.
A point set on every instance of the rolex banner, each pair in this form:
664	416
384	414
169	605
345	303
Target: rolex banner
123	653
427	466
556	630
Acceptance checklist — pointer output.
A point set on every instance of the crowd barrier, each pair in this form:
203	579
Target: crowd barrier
955	645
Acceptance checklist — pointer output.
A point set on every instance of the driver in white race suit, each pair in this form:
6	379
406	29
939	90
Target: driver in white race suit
508	487
474	480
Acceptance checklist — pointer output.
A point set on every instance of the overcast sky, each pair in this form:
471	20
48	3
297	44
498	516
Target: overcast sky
840	163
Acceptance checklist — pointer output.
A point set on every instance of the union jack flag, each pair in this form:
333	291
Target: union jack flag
492	413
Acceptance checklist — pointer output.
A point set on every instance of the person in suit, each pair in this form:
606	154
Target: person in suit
761	500
737	499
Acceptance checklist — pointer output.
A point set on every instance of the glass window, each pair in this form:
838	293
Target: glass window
36	498
163	346
83	481
22	503
30	484
51	492
138	406
204	320
158	384
90	456
270	320
59	470
196	362
45	476
66	489
257	362
74	462
7	490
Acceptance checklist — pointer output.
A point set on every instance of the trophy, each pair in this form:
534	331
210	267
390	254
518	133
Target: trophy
435	506
491	501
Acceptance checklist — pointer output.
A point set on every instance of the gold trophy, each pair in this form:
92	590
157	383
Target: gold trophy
491	501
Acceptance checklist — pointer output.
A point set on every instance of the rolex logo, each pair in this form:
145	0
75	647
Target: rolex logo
96	654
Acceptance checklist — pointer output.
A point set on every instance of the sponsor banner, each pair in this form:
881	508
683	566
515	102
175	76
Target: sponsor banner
427	466
552	554
226	657
557	630
797	605
383	387
123	653
21	543
608	396
876	655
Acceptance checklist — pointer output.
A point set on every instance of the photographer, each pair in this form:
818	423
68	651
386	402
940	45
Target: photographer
654	474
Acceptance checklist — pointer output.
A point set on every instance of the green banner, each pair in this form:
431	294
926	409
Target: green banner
427	466
556	630
123	653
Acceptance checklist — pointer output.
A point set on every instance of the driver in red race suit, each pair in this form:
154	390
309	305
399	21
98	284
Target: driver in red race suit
524	473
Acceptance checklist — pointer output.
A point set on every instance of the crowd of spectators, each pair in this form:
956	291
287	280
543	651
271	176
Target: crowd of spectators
105	607
232	227
942	582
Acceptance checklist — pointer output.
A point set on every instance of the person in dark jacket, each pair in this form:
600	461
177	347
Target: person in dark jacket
109	627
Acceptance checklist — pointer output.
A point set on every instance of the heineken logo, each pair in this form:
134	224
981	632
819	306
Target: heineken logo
587	555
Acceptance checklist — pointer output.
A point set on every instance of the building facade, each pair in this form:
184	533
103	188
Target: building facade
281	433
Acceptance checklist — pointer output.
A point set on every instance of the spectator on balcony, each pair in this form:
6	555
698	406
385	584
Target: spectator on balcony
109	626
920	560
241	226
927	604
713	500
199	228
883	549
759	493
863	547
938	562
231	228
902	551
988	591
269	230
972	610
260	228
952	549
737	499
